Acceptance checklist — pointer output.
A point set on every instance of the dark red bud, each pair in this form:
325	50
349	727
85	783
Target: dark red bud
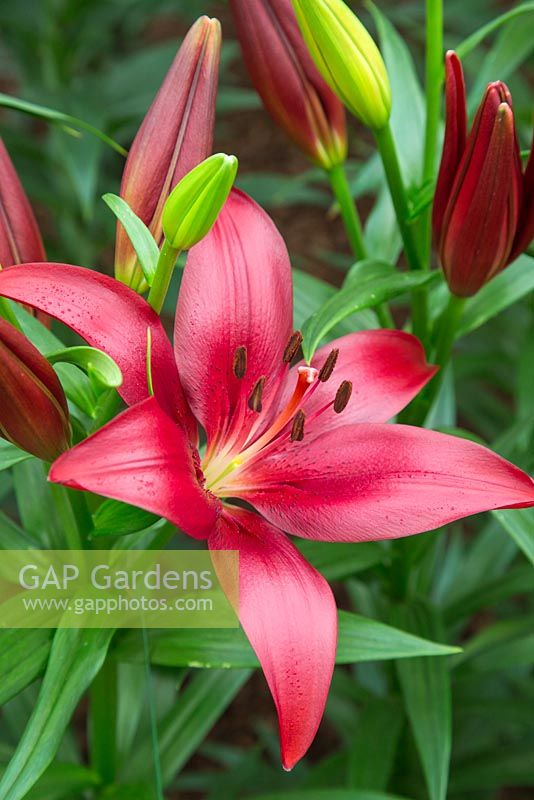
455	137
175	136
480	220
287	80
20	240
33	408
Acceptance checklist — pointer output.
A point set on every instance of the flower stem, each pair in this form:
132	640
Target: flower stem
447	327
353	228
162	278
349	212
434	79
388	154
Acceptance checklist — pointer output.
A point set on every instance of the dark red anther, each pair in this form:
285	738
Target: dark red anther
292	347
239	364
255	399
328	366
342	397
297	431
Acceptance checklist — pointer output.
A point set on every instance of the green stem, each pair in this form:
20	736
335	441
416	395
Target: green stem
349	212
158	779
388	154
434	79
162	278
353	226
103	722
447	327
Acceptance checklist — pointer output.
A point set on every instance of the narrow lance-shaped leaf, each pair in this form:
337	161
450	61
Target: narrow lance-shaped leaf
426	689
369	284
75	658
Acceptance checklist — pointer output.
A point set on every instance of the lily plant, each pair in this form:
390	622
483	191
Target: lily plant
290	448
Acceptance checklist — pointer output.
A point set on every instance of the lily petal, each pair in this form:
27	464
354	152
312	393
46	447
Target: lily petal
143	458
109	316
235	293
387	369
371	482
289	615
20	238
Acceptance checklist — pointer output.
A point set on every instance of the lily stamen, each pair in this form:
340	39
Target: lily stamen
328	366
239	364
342	397
255	399
292	347
297	431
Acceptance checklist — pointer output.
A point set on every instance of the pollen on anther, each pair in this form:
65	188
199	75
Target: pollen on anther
255	399
342	397
328	366
292	347
297	431
239	364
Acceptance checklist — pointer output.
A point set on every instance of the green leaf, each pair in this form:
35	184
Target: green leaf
64	782
67	122
10	455
513	283
368	284
516	581
365	639
359	639
75	659
310	293
382	235
370	767
338	560
502	646
195	712
468	45
519	523
98	365
425	685
326	794
13	537
514	45
502	766
408	110
114	518
23	656
139	235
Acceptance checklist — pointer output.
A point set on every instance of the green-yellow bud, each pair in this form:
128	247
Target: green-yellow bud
347	57
195	203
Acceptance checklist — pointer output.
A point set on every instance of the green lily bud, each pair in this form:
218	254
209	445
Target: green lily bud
347	58
195	203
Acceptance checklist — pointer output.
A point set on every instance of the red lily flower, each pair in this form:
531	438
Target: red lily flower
483	214
290	85
175	136
20	239
314	458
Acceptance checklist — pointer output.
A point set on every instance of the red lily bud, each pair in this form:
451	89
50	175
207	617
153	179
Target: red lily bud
175	136
33	408
455	137
479	191
286	78
525	228
20	240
